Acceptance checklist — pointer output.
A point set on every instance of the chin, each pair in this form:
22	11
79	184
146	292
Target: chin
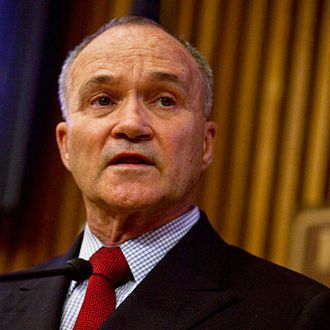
140	196
132	200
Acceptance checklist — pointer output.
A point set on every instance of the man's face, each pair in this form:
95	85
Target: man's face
136	138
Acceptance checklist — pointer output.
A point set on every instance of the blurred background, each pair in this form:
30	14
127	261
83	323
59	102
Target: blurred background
268	189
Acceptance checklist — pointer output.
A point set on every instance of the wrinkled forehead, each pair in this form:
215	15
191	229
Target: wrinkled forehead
136	42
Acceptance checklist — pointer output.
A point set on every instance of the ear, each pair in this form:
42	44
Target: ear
62	142
210	130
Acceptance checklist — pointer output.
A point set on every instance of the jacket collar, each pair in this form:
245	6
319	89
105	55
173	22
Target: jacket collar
185	287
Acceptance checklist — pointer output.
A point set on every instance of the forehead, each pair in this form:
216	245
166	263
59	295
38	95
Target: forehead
141	46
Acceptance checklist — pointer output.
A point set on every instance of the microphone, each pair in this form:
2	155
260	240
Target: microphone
77	269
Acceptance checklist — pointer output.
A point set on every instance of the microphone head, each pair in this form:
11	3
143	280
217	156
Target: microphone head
80	269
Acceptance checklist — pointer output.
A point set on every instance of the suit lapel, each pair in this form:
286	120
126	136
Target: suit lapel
184	288
37	303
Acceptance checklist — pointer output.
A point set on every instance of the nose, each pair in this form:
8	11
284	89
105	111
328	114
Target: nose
132	122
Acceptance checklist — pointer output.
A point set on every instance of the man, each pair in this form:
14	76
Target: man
136	138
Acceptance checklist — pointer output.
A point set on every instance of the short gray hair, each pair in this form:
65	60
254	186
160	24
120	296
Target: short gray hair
202	64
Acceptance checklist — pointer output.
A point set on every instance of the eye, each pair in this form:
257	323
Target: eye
166	101
102	101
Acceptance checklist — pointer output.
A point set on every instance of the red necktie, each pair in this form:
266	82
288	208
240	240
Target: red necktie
110	269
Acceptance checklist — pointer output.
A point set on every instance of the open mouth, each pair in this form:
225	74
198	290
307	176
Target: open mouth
125	159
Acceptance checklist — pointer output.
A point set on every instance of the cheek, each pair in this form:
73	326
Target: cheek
186	151
88	134
84	147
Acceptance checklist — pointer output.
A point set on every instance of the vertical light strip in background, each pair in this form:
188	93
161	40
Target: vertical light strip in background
270	96
213	190
318	143
292	129
185	18
120	8
244	105
207	33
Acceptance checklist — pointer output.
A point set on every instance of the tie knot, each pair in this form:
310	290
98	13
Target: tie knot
111	263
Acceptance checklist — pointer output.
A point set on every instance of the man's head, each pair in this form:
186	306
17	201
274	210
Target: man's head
136	136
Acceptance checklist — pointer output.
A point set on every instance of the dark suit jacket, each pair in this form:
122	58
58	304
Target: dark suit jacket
202	283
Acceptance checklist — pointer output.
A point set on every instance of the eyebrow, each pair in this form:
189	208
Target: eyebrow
96	81
165	76
161	76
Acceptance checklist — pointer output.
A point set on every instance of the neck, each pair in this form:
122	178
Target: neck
113	228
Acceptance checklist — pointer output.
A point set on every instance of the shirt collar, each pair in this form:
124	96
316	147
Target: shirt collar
144	252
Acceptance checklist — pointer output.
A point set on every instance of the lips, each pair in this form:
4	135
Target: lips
131	159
